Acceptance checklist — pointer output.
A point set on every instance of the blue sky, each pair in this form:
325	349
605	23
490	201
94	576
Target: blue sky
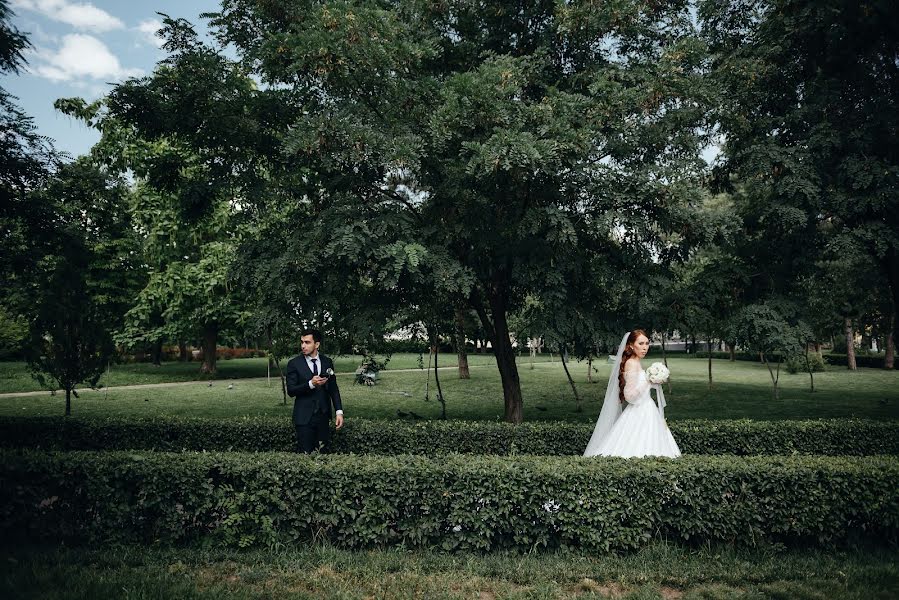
79	48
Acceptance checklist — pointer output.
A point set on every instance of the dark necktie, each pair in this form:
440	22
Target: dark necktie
314	366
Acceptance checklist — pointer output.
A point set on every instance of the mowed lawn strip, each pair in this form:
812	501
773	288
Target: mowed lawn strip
740	390
658	571
14	376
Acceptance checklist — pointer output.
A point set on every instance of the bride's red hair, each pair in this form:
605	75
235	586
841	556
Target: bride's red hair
625	356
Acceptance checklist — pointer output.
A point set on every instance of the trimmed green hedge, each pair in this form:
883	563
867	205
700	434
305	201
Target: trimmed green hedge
360	436
454	502
747	356
861	360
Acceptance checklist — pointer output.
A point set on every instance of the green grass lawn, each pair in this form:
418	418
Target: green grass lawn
741	390
658	571
14	376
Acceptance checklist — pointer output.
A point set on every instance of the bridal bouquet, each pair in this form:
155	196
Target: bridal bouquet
657	373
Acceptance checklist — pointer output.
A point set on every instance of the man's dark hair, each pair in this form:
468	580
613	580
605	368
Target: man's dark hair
315	333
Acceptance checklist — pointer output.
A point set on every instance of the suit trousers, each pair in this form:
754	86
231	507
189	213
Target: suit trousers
314	436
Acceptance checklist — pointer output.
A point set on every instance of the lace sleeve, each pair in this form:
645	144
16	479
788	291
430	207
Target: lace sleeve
634	387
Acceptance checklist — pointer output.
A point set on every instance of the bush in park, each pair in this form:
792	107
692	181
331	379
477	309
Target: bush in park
795	363
453	502
362	436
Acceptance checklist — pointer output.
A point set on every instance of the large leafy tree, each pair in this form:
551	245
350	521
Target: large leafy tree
845	285
25	156
810	114
708	288
764	328
187	292
84	279
27	159
66	249
511	142
193	133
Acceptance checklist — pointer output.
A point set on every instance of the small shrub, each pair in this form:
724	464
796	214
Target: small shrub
796	363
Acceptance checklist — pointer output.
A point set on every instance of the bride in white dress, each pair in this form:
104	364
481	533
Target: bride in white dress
630	424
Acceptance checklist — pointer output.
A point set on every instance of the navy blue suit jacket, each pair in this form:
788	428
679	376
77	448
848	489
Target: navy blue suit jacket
306	399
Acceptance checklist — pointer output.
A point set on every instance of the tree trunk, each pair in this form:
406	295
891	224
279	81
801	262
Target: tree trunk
808	366
564	354
283	381
440	397
273	357
589	369
505	357
464	373
774	377
891	263
850	345
428	380
889	347
157	353
733	353
710	362
210	341
183	354
68	402
665	360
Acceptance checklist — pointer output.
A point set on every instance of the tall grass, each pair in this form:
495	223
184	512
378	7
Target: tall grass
659	571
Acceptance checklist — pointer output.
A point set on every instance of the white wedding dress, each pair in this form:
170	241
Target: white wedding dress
638	430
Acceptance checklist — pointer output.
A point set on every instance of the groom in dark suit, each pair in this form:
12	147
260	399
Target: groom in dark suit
314	389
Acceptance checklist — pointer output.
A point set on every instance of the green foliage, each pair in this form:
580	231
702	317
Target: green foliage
434	438
13	333
27	159
83	279
841	360
188	135
367	373
26	156
809	98
452	503
762	328
796	363
556	129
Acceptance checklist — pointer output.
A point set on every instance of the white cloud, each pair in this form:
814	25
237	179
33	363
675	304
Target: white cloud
148	29
79	15
81	57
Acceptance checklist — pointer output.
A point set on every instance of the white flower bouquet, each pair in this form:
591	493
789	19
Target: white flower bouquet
657	373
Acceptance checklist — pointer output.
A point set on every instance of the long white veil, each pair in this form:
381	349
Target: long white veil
611	406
